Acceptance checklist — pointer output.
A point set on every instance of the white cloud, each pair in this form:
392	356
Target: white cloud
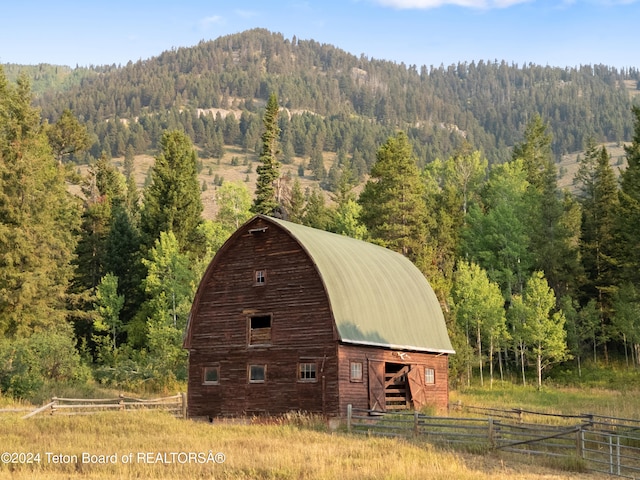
427	4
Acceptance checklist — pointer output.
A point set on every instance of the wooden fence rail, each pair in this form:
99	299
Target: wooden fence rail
176	404
601	444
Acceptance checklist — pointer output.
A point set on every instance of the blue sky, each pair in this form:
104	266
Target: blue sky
421	32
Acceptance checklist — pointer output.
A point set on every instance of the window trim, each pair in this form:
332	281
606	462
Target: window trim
264	372
358	379
260	277
431	377
214	367
313	370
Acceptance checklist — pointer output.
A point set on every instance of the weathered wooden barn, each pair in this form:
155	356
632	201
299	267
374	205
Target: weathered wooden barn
290	318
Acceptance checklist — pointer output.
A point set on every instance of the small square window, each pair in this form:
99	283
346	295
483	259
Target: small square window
429	376
307	372
211	375
260	277
356	372
257	373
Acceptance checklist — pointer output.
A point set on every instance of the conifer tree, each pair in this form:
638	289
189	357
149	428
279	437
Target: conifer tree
599	199
38	218
552	243
628	218
267	198
68	136
172	200
393	207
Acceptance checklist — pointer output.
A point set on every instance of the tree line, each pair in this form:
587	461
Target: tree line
99	285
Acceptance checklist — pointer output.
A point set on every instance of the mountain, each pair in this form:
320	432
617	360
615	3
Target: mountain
337	102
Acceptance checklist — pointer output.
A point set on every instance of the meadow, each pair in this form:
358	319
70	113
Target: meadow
155	445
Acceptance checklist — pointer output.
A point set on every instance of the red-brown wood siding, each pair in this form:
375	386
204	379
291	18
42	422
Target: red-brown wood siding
357	393
302	329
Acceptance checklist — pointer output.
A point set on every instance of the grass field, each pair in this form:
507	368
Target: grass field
154	445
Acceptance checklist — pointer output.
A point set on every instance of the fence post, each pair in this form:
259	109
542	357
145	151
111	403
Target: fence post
618	454
580	442
610	455
349	413
492	437
183	397
416	423
121	402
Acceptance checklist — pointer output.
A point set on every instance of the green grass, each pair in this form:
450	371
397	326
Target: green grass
612	391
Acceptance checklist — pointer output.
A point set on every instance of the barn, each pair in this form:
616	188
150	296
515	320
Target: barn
291	318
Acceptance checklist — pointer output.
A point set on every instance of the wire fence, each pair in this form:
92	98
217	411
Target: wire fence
594	443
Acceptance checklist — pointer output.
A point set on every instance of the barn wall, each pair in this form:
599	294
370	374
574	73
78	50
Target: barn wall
357	393
301	330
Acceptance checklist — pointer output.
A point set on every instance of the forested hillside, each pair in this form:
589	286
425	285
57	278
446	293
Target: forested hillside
350	103
96	285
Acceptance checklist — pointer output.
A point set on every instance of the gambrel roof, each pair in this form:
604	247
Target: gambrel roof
377	296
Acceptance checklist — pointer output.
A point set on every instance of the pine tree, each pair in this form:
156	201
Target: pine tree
68	136
172	200
267	198
628	218
552	243
393	207
38	218
296	203
599	199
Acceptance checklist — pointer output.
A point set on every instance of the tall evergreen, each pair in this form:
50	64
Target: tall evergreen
172	200
38	218
268	196
393	207
628	220
552	242
599	199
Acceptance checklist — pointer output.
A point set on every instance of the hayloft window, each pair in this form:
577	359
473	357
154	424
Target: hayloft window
211	375
260	330
307	372
257	373
429	376
260	278
355	372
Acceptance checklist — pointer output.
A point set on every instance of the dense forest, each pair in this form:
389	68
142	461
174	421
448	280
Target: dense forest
343	102
97	286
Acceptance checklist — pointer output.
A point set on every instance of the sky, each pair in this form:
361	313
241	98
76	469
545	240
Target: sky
561	33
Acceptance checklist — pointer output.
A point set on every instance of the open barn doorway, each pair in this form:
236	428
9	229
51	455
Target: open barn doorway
396	388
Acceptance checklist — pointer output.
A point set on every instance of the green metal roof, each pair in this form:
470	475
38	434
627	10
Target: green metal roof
378	296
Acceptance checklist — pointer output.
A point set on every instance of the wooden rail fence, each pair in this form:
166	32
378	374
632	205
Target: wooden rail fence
600	444
176	404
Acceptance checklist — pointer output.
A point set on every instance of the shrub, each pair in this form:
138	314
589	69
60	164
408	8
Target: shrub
26	364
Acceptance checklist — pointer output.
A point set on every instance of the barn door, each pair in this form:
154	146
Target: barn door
376	386
417	387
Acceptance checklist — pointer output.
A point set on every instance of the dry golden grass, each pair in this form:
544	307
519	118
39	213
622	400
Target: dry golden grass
276	451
